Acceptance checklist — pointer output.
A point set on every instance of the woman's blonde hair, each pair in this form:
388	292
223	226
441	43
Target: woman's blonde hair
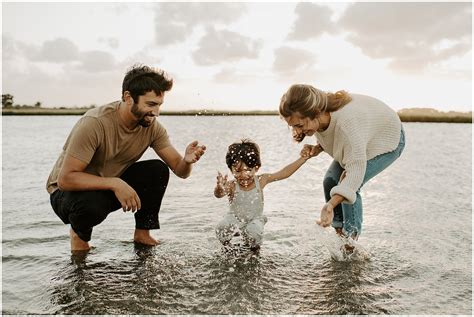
310	101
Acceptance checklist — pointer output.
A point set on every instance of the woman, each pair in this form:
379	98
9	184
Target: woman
361	133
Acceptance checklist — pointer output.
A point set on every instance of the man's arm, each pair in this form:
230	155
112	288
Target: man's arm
181	166
73	178
175	161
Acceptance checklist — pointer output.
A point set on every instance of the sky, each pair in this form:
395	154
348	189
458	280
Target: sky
239	55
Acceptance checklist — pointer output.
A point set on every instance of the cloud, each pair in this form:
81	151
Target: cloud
233	75
77	88
174	22
411	35
226	75
225	46
96	61
62	52
11	49
293	61
59	50
313	20
111	42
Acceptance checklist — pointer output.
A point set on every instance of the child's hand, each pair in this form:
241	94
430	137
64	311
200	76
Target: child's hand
221	180
327	215
221	185
308	151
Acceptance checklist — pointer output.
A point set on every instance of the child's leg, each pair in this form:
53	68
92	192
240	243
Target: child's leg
253	232
331	179
226	228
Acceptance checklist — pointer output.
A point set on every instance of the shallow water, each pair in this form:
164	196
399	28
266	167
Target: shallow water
417	232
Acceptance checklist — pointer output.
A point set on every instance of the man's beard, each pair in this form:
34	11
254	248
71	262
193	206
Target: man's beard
142	115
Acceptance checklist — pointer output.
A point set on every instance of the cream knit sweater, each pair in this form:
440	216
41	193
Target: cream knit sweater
358	132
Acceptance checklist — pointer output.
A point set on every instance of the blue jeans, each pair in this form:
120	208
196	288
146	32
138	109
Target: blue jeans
347	216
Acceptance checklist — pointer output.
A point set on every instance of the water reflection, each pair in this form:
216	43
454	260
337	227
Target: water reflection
345	287
234	284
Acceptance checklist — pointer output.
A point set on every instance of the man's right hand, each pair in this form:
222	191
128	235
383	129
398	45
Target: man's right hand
127	196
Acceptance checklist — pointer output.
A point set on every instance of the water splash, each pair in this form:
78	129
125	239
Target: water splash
335	244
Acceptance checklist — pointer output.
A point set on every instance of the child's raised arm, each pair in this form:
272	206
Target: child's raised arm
306	153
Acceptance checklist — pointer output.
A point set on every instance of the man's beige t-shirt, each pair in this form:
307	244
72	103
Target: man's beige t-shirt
102	141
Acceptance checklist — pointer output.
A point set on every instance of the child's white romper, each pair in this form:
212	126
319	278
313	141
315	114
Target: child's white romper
246	215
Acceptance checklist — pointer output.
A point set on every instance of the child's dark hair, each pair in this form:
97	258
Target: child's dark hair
245	151
141	79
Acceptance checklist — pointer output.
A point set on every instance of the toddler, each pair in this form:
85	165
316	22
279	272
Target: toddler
244	192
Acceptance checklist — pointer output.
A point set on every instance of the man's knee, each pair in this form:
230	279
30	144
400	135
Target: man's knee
147	174
90	208
155	170
159	169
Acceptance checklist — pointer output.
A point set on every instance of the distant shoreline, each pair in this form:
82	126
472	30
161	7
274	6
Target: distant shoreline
406	115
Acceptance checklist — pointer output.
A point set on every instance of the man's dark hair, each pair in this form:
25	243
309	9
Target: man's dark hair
141	79
245	151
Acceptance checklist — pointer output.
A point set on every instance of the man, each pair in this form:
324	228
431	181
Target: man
97	171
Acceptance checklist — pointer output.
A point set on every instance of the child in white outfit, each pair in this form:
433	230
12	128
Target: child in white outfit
245	216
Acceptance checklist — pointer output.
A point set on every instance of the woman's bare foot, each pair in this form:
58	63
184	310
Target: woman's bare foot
348	247
143	236
77	244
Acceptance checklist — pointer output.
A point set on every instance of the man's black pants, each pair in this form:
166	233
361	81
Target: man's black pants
86	209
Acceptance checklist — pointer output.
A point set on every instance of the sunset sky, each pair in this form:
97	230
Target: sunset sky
239	56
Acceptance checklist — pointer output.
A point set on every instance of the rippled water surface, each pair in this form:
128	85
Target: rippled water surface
417	232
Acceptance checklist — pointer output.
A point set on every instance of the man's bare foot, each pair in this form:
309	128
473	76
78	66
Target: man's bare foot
143	236
77	244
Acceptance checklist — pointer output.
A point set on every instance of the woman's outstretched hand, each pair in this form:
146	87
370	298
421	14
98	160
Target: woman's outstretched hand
327	214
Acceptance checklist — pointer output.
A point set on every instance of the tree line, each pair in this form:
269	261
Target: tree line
7	102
